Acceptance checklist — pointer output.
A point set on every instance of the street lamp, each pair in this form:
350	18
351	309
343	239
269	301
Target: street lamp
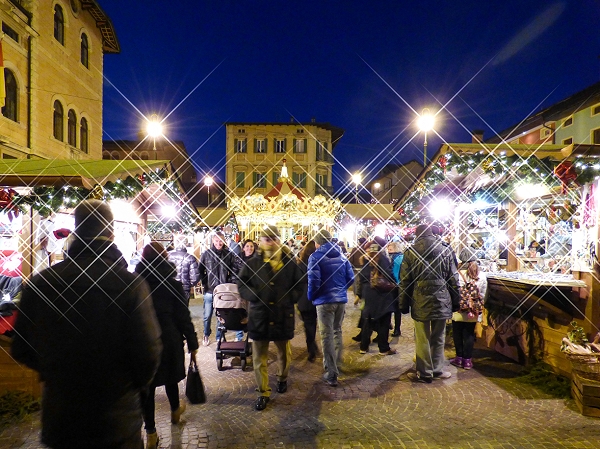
208	181
154	128
425	122
356	179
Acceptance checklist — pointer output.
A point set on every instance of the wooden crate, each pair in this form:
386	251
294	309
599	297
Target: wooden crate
13	375
587	395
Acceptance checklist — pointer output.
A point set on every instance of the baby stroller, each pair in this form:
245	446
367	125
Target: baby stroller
232	314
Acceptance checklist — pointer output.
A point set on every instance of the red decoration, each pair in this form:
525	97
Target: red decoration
6	203
400	211
443	161
565	171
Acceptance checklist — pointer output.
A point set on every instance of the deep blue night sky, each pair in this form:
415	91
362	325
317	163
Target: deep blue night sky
490	63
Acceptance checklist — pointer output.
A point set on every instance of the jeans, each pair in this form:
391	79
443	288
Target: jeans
430	337
463	333
260	357
148	405
331	317
208	313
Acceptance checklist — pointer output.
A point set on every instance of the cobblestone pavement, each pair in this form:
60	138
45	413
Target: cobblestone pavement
374	406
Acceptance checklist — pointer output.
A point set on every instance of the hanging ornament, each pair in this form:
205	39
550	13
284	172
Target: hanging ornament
7	205
400	211
589	208
421	189
487	166
565	171
443	161
97	193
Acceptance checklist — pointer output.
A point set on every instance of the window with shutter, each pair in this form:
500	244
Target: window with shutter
240	178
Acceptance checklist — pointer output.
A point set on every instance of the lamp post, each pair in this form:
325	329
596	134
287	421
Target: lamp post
356	179
425	122
154	128
208	181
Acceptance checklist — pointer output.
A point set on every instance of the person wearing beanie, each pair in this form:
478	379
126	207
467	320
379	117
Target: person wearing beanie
185	264
88	326
330	275
429	290
272	285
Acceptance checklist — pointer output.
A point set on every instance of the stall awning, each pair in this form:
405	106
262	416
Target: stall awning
77	173
214	216
380	212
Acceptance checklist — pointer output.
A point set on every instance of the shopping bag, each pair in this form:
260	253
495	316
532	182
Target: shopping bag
194	388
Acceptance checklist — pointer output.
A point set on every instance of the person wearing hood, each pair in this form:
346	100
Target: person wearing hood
88	326
168	298
330	275
216	268
272	285
429	291
185	264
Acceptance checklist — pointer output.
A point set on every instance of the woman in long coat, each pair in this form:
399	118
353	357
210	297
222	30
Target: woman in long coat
176	324
378	306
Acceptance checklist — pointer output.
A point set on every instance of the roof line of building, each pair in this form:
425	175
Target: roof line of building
110	43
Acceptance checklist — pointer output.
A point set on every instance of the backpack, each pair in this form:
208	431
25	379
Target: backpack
470	298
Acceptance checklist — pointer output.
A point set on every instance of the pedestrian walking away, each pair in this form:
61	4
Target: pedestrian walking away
168	298
88	326
272	284
330	276
429	291
379	302
186	265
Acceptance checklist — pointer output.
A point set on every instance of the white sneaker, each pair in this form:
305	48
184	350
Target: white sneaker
205	341
443	375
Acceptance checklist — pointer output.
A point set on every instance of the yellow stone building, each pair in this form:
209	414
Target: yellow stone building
53	59
255	153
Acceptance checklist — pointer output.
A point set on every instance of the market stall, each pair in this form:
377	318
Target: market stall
529	214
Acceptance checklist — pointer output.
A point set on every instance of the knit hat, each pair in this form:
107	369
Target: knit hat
380	241
322	237
270	231
396	247
93	219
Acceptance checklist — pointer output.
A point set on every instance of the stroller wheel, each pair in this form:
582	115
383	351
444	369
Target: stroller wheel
220	364
243	364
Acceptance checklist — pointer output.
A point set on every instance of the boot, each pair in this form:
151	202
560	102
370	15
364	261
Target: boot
176	414
458	361
467	363
152	440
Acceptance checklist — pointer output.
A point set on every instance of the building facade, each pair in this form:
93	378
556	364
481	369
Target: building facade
574	120
255	154
53	64
154	150
393	181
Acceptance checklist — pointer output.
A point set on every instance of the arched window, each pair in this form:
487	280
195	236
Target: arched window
9	110
83	135
105	155
72	128
85	50
59	25
58	121
114	156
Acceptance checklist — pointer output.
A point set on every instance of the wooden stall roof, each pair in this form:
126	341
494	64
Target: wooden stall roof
77	173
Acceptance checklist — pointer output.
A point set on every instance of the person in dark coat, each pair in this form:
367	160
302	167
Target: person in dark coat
308	311
239	262
429	286
175	322
88	327
216	268
379	306
185	264
272	284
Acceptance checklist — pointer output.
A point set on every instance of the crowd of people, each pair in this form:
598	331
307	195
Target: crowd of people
103	339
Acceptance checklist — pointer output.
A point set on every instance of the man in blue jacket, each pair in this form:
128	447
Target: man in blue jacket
330	275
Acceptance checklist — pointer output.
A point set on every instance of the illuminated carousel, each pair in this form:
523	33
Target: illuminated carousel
296	214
